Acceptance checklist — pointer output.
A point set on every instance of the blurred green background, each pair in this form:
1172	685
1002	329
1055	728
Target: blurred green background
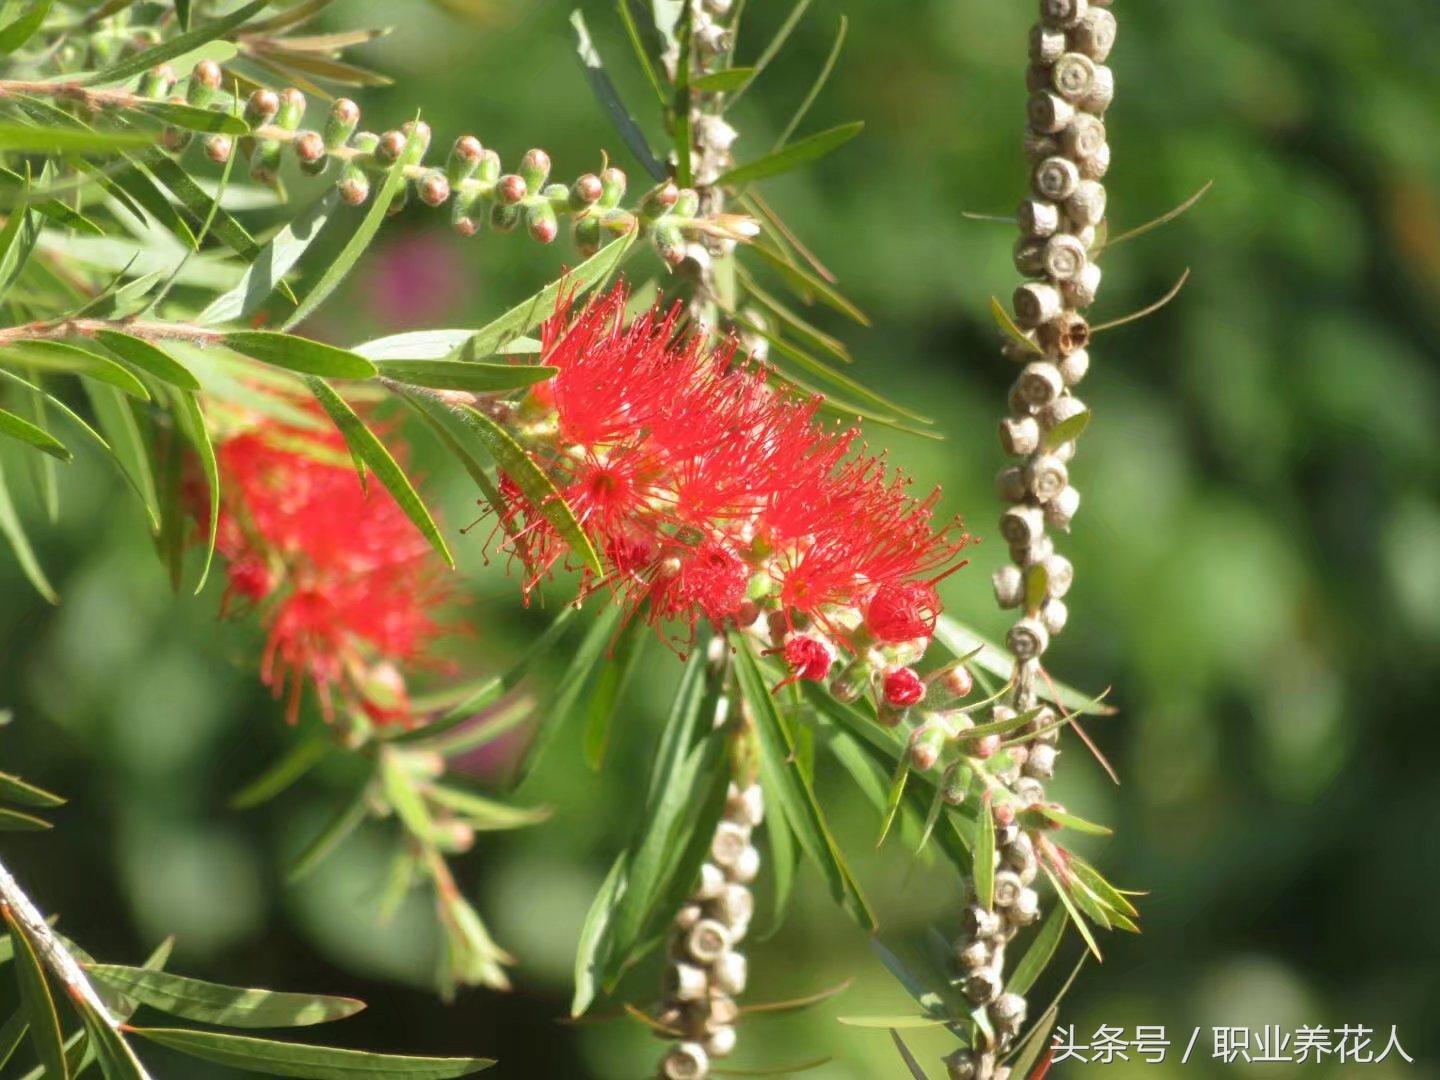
1258	555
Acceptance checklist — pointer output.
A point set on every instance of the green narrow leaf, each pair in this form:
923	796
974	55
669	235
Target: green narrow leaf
510	457
806	284
117	421
64	357
475	377
191	422
776	44
179	115
117	1059
205	207
681	99
17	242
25	139
486	815
372	452
275	259
15	821
1067	430
605	699
722	81
303	757
1037	957
14	532
1007	324
609	98
14	789
437	345
182	12
983	856
224	1006
589	956
359	240
36	1000
148	358
793	791
11	1036
314	1062
346	820
810	148
527	315
17	427
916	1071
1075	916
893	800
299	354
171	48
24	28
826	70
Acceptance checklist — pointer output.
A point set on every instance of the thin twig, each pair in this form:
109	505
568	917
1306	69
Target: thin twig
1147	311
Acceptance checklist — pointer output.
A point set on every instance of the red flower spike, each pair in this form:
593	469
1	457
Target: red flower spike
351	587
903	611
903	687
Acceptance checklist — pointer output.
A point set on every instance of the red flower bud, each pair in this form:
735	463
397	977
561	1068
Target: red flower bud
511	189
808	657
957	681
251	578
903	687
903	611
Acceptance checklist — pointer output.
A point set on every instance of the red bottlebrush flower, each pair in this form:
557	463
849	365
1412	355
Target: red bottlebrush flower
696	477
808	657
903	687
345	585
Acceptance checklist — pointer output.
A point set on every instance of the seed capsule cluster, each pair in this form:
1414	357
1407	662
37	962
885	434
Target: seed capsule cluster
1071	87
705	971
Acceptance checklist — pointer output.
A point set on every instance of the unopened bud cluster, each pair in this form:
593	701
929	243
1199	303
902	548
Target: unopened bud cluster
1071	88
705	971
472	181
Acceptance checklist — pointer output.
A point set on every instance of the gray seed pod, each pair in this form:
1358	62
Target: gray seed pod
688	916
1073	77
1064	452
1046	45
1041	763
687	1061
1081	290
1039	383
1059	575
1056	178
1061	510
1102	91
707	941
1075	367
1028	638
747	866
686	982
1065	259
1007	888
1005	834
1036	551
1038	145
1037	77
1038	218
1049	113
1010	484
1054	614
973	955
1046	476
745	807
982	986
735	906
1063	13
980	922
1042	727
1009	586
960	1065
730	840
1026	909
1022	524
1029	258
1020	852
1060	410
731	973
1086	205
1064	334
1029	791
1094	35
723	1010
1036	303
1019	437
721	1042
1017	353
1094	167
1083	136
1008	1011
712	882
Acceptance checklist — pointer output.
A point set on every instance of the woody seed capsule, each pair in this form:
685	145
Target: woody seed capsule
687	1061
1019	437
730	840
1054	613
1036	303
731	972
1102	91
1041	763
1038	218
1061	510
745	805
1063	13
1046	45
1059	411
1022	524
747	866
707	941
973	955
687	982
1074	367
1056	179
1086	204
982	987
1081	290
1064	334
1046	476
1036	551
1094	35
1028	638
735	905
1026	908
1007	887
1094	167
721	1042
1083	136
1049	113
1039	383
1065	258
1029	258
1059	576
1010	484
1009	586
1073	77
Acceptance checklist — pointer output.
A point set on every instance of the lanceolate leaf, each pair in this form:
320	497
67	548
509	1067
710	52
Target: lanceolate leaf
147	357
191	422
807	284
37	1002
117	1059
590	952
117	420
300	354
268	269
14	532
369	449
524	317
437	345
23	29
17	427
1038	956
464	375
14	789
60	356
225	1006
189	117
22	138
176	46
314	1062
796	154
346	820
12	1035
303	757
793	791
610	100
15	821
537	488
984	855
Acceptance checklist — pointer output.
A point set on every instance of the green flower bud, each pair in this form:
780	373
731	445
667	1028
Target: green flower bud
417	140
464	216
292	109
557	195
367	142
341	123
489	170
433	188
204	81
310	151
540	219
587	236
265	163
354	185
612	188
586	191
660	200
504	217
688	204
157	82
669	242
218	148
535	169
464	160
511	189
261	107
392	144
